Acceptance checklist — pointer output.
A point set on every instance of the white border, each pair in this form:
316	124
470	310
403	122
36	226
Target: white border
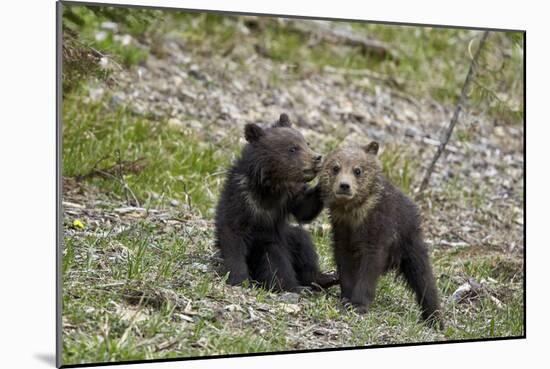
27	188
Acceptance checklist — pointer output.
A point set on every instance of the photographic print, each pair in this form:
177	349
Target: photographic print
237	184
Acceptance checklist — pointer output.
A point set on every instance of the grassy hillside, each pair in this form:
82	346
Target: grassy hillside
147	138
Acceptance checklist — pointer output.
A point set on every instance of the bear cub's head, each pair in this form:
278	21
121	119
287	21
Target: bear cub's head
282	153
350	175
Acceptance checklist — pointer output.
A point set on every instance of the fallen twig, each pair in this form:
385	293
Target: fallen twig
124	166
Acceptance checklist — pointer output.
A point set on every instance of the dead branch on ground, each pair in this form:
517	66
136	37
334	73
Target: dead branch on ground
344	34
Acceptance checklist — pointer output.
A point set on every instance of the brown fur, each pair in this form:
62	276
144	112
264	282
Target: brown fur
376	228
263	188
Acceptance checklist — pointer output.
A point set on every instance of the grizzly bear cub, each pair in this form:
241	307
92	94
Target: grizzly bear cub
263	188
375	228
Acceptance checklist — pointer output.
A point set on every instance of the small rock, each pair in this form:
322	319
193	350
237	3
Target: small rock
100	36
139	109
141	72
177	81
412	132
96	94
238	85
461	292
269	100
233	307
104	62
125	40
185	94
194	124
118	98
289	297
111	26
197	74
263	307
183	59
471	288
410	115
355	129
200	266
175	123
202	342
499	131
291	308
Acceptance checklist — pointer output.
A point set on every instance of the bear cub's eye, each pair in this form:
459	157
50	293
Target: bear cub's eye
335	169
293	149
357	172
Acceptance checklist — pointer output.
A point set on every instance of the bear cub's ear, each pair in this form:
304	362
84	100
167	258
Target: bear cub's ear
283	121
371	148
253	132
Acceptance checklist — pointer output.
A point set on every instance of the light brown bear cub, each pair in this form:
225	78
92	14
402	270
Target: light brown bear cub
375	228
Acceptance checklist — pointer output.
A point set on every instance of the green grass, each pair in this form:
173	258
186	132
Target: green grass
400	167
87	22
434	62
107	318
176	164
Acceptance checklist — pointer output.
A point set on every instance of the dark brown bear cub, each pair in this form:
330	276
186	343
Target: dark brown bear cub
263	188
376	228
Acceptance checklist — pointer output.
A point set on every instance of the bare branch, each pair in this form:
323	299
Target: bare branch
458	109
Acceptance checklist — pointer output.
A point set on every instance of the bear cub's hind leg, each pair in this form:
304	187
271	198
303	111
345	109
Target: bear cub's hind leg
418	273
